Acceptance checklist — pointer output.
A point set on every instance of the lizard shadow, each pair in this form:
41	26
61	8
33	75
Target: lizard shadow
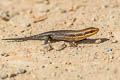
85	41
92	41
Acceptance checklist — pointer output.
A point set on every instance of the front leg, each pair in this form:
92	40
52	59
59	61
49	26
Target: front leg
46	38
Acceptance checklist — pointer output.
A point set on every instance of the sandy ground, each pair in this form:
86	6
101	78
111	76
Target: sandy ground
95	58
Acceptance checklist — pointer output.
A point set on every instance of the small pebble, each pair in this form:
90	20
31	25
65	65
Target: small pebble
66	69
109	49
41	18
39	1
4	76
98	41
59	45
4	54
71	9
104	6
12	75
22	31
74	19
68	63
56	67
7	15
70	23
75	7
53	74
111	57
62	10
94	19
13	13
4	15
21	71
46	1
42	1
28	25
44	10
1	79
43	66
85	1
80	76
114	41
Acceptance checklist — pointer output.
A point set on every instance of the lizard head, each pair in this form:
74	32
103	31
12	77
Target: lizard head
90	31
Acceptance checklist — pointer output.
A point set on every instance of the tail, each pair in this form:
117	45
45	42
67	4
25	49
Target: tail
17	39
35	37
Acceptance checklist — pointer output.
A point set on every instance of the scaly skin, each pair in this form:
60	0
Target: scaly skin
65	35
